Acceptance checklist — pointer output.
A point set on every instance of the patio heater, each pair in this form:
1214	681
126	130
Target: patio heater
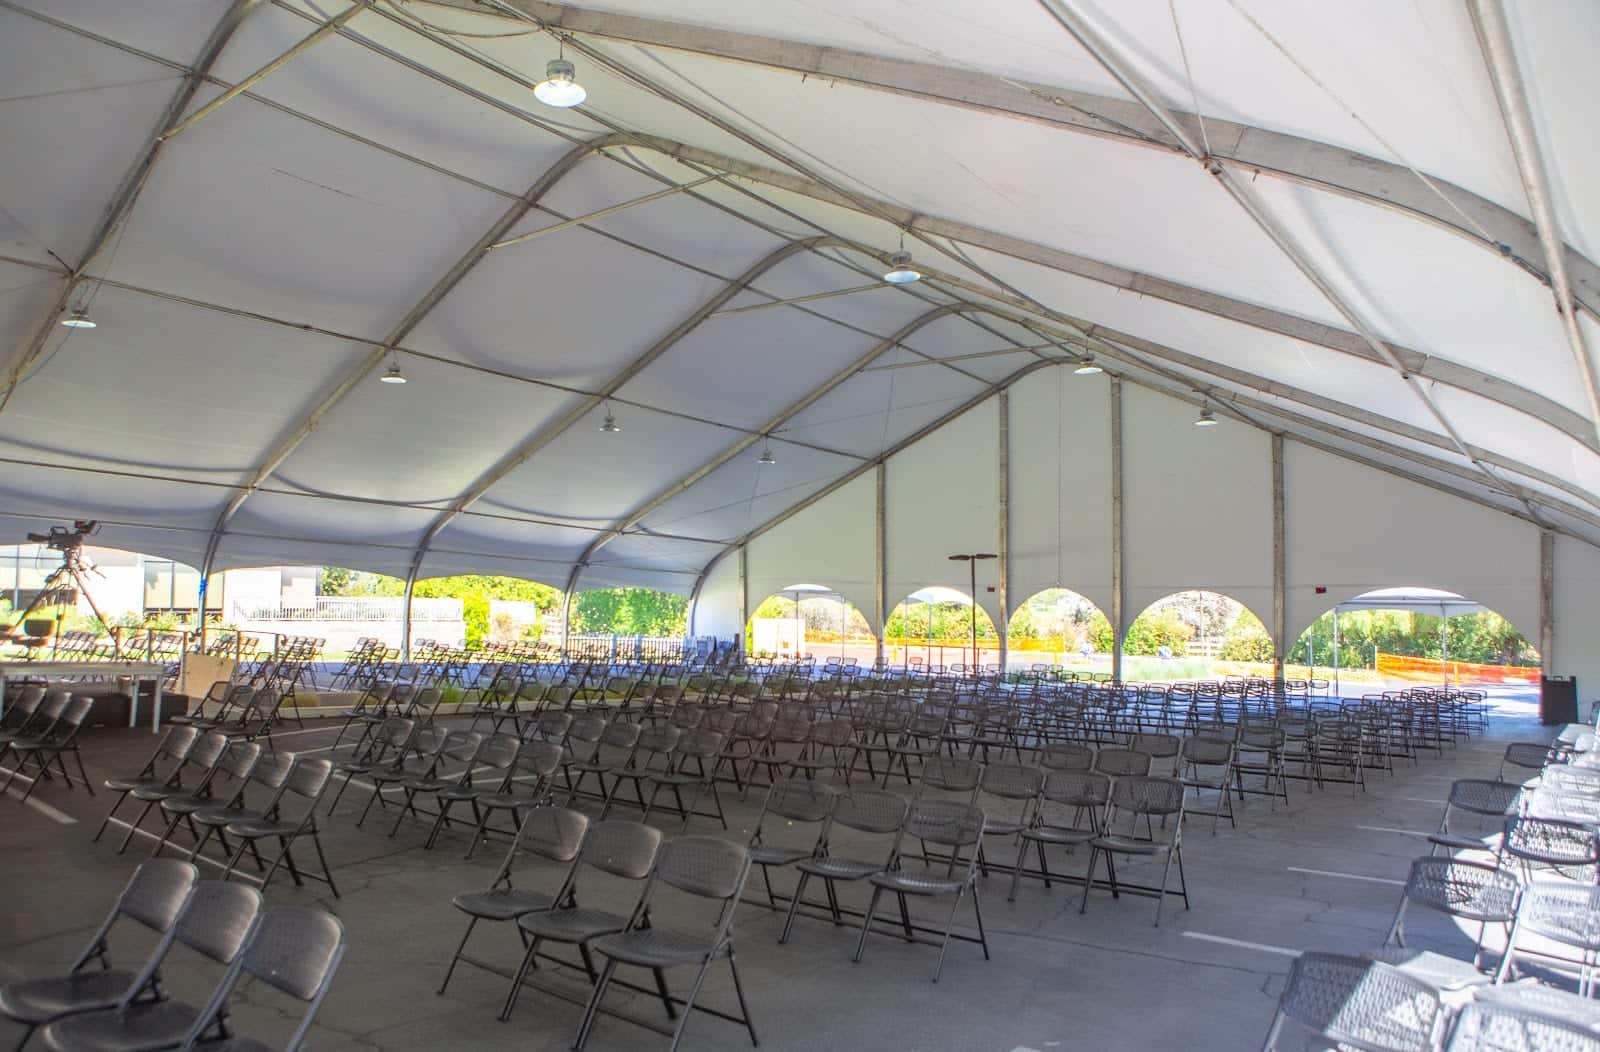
972	561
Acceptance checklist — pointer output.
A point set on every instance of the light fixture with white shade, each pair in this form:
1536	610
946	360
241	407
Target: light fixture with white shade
1206	418
766	456
78	319
609	425
393	375
900	271
1087	366
560	87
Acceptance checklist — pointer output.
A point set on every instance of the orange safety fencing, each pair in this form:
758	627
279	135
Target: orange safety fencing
1433	670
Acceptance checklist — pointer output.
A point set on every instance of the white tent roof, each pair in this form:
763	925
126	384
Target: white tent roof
1349	223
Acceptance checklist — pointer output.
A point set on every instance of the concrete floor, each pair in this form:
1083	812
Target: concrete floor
1323	874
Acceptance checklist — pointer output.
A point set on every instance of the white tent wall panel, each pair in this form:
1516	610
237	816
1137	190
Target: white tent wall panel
1576	610
831	543
716	610
1061	486
1351	529
1197	506
943	498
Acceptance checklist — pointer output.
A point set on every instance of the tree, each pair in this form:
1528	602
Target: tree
630	612
1246	640
474	591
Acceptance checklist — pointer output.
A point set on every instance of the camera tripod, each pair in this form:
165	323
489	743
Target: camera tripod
73	573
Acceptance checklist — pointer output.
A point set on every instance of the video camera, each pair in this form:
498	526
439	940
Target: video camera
62	539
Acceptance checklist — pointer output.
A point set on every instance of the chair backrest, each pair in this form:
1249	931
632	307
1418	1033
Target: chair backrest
457	751
23	706
1120	762
1531	755
218	919
1551	840
798	800
1368	1003
1145	795
1207	752
499	752
1012	781
1469	890
177	741
1498	1027
870	810
948	823
293	949
1159	746
50	710
554	833
1078	788
952	774
306	778
622	849
703	865
654	748
535	757
1067	756
1482	796
551	726
1562	911
153	897
617	743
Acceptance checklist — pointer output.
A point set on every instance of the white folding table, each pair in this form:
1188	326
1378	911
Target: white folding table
132	671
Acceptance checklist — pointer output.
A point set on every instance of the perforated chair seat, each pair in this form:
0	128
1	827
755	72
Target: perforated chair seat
1457	842
912	883
500	904
461	792
657	947
255	828
1059	835
142	1028
225	816
1435	969
835	868
517	799
51	997
1127	845
763	855
135	785
1003	827
574	925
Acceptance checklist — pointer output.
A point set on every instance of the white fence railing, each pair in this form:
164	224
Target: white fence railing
343	608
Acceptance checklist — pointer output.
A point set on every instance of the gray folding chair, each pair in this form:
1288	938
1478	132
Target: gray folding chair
551	833
489	771
1475	796
863	811
163	770
1151	798
1207	765
154	898
1357	1003
621	850
294	950
699	867
385	750
217	923
526	786
224	784
1467	891
702	748
1526	756
793	801
448	766
197	767
953	826
290	815
1085	794
1571	849
51	747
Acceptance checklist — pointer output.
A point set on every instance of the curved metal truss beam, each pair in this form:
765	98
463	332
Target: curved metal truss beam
1342	171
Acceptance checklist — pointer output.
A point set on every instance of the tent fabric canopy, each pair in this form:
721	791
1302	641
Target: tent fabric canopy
1416	600
1379	242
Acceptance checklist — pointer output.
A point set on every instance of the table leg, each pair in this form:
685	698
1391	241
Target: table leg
155	711
133	702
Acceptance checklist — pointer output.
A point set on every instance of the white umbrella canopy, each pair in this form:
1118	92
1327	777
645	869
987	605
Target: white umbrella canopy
1366	258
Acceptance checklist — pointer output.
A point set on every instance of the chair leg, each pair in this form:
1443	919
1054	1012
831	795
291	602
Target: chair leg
977	911
516	983
949	925
688	1004
866	922
451	970
1161	895
593	1007
1088	881
1016	868
794	904
744	1008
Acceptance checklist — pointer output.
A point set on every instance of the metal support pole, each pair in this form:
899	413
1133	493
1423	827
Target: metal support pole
880	583
1004	627
1444	644
1279	565
1336	652
1547	601
566	622
405	619
1116	529
744	595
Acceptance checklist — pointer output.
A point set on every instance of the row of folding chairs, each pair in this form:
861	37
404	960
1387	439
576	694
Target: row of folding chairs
38	734
291	951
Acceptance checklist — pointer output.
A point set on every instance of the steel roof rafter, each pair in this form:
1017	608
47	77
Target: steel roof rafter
1337	169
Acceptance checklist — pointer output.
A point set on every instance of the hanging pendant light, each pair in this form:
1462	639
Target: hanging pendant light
560	87
1087	366
609	425
393	375
1207	418
78	319
766	456
900	271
